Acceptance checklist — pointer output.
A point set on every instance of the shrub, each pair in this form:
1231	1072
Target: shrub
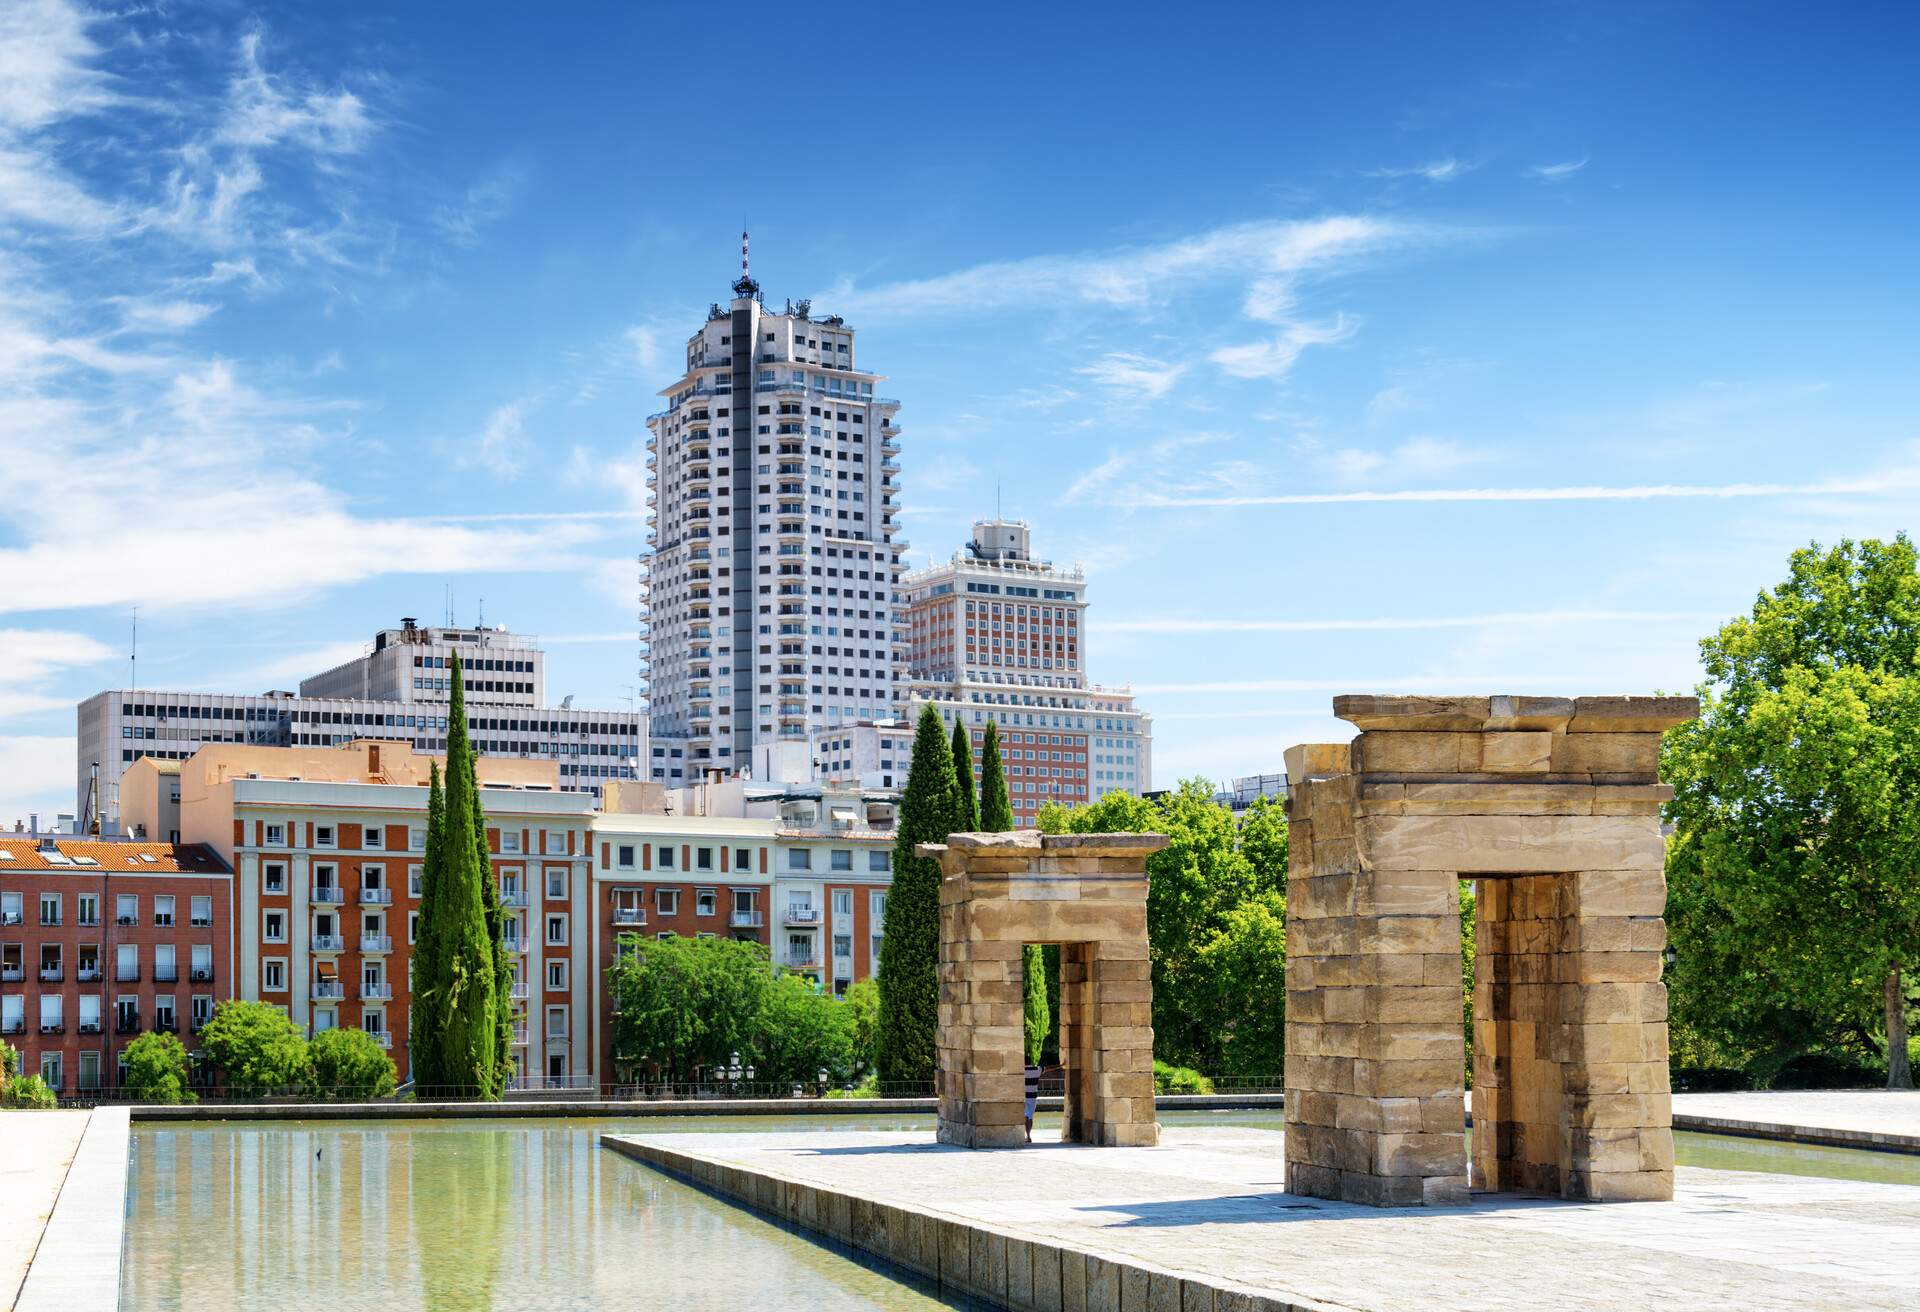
867	1088
1179	1079
256	1048
348	1063
28	1094
157	1069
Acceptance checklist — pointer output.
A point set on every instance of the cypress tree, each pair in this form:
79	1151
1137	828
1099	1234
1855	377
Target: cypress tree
967	810
428	952
996	816
504	1011
910	947
466	994
996	808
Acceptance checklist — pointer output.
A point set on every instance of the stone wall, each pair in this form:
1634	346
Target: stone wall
1551	806
1087	893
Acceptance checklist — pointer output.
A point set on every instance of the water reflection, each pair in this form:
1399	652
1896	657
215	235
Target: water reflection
463	1215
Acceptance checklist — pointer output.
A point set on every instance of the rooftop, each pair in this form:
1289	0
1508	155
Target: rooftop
88	856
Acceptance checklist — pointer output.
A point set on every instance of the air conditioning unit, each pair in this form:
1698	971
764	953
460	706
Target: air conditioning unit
202	976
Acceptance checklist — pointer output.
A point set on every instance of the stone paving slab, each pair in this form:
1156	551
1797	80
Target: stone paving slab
77	1266
1865	1118
1205	1215
36	1149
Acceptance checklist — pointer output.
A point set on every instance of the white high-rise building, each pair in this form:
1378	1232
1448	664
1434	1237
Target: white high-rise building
769	588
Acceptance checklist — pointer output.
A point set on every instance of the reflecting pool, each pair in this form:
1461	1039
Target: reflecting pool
455	1215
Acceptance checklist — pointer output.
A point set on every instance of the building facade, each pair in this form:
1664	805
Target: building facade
996	634
103	941
398	691
772	550
327	847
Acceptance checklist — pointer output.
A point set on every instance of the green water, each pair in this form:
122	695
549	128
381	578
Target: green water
455	1215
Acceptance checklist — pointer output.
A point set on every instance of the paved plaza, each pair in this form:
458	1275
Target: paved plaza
1209	1202
36	1148
1884	1115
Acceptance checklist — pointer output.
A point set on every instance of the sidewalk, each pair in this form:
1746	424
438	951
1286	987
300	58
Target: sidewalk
35	1150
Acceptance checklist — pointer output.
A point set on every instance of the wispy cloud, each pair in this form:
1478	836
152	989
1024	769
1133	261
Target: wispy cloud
1589	492
1447	168
1137	277
497	446
1557	172
1437	684
30	657
1181	624
1420	457
482	204
1274	357
1134	377
1096	483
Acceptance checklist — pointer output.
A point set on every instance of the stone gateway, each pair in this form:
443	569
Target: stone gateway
1087	893
1550	806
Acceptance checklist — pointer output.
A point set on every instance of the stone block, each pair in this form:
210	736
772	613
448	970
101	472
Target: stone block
1073	1280
1388	713
1102	1285
1020	1275
1630	714
1133	1288
1046	1277
1163	1292
1517	844
1607	753
1196	1296
1316	760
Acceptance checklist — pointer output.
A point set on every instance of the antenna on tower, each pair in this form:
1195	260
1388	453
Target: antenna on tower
745	285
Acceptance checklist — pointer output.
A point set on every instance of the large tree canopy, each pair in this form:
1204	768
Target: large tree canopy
1794	870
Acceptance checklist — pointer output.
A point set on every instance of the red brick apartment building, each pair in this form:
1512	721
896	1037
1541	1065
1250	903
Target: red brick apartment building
102	941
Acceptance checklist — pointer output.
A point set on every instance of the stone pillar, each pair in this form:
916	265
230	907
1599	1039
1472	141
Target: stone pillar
1088	893
1551	806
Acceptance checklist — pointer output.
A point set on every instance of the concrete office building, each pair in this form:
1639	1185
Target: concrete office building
400	691
996	634
769	580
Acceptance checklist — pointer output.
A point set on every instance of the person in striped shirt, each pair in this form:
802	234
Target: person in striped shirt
1033	1097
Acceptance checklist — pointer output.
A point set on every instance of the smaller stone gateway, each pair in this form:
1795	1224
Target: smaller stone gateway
1551	806
1088	894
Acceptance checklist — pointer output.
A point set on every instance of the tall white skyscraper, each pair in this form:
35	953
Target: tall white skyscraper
770	577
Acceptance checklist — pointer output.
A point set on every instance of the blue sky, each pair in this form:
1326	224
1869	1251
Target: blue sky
1403	348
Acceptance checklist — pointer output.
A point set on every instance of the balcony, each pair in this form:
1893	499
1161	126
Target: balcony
126	1025
328	990
203	974
513	943
51	974
166	974
376	943
519	1036
53	1027
376	897
329	943
88	974
376	992
629	915
14	1026
126	974
801	915
166	1023
513	897
88	1027
519	991
12	974
10	917
326	895
127	922
801	961
747	919
382	1037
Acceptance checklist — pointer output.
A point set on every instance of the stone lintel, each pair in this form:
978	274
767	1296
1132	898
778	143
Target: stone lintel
1378	712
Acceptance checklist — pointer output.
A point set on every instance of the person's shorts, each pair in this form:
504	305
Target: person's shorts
1031	1104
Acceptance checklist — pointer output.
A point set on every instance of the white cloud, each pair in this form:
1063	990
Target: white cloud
1435	684
1134	377
497	447
1419	457
1274	357
644	343
266	109
29	657
1444	169
1557	172
1588	492
943	472
481	205
36	776
1097	482
1136	277
149	315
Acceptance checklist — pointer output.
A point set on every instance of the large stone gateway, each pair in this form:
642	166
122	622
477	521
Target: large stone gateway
1088	894
1551	807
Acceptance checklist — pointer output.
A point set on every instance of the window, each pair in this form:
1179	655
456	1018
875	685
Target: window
49	908
126	909
165	966
703	858
878	860
509	840
742	858
163	910
842	902
842	859
556	840
557	930
89	909
90	1013
556	884
666	857
200	911
276	835
706	902
202	961
10	904
416	840
273	976
556	977
276	930
667	901
322	836
799	858
373	837
414	876
556	1023
273	878
877	909
626	856
126	962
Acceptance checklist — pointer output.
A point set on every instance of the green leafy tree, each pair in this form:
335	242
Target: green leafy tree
429	949
157	1069
1246	962
967	811
256	1048
1794	888
802	1034
349	1064
910	948
506	1015
863	1009
18	1092
456	986
684	1007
